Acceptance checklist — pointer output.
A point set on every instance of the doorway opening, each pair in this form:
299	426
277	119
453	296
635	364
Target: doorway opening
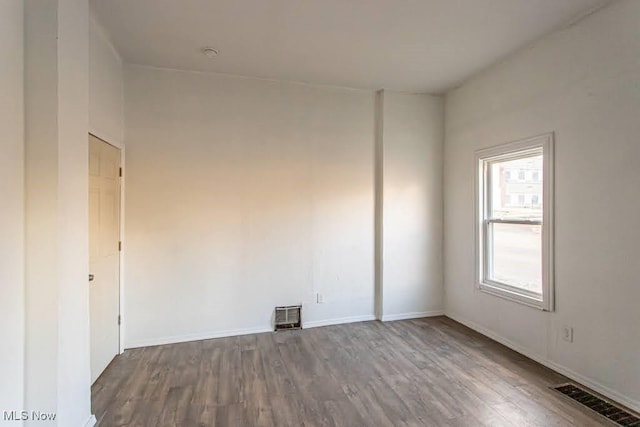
104	253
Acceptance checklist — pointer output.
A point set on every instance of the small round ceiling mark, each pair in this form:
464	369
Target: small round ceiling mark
210	52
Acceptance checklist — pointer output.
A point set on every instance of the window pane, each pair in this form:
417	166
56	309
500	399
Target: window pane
517	256
516	190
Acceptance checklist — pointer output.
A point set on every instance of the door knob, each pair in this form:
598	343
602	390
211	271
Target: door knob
91	277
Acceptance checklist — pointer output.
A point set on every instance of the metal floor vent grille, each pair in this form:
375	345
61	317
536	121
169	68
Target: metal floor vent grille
288	317
609	411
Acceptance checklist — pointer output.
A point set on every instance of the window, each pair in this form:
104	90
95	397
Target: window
514	248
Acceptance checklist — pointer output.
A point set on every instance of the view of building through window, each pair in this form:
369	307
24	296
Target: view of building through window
516	194
517	188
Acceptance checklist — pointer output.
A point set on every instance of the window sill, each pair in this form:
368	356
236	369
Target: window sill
513	296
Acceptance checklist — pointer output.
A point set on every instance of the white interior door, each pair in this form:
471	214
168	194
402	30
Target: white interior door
104	248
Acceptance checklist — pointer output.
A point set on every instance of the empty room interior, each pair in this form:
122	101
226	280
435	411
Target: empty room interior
320	212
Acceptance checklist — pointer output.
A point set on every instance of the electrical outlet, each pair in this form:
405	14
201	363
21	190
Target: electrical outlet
567	333
319	298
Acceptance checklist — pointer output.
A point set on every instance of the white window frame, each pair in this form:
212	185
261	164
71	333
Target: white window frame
511	151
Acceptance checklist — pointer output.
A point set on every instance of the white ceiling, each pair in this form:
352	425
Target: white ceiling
408	45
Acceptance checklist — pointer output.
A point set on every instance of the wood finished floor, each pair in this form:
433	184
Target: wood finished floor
425	372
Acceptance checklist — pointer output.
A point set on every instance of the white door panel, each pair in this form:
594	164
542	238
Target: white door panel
104	225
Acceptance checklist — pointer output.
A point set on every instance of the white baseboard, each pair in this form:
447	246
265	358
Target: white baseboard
196	337
235	332
575	376
338	321
91	421
411	315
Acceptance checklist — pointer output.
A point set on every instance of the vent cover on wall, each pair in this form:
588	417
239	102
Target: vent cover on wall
602	407
288	317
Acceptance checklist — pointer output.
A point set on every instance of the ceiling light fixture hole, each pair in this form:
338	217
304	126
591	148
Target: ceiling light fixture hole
210	52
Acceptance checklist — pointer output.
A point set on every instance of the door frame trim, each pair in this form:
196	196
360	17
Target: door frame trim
119	144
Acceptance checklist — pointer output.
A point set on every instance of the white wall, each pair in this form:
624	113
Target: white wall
244	194
41	231
581	83
12	205
57	319
412	138
106	103
74	394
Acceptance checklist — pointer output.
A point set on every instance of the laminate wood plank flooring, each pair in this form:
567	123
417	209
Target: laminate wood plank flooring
422	372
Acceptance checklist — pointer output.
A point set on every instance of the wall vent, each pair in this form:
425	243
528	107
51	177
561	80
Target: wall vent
607	409
288	317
